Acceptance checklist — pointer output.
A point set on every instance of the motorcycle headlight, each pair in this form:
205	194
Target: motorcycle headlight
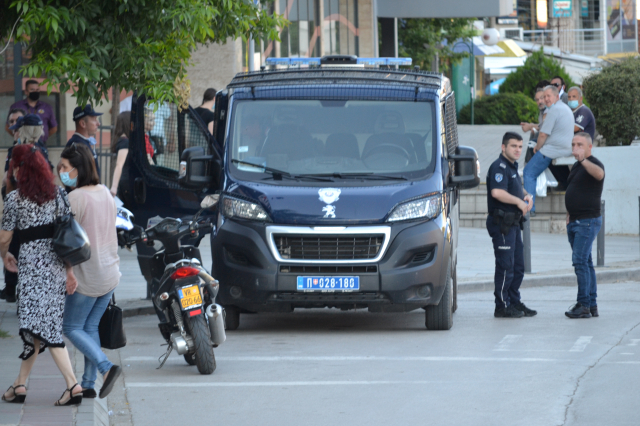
234	207
422	208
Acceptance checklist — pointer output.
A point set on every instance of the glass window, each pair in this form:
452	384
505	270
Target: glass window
326	137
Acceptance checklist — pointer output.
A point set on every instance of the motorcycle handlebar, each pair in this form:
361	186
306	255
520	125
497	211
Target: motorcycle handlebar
143	235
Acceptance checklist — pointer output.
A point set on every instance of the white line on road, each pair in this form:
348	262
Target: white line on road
507	341
581	344
263	384
362	358
634	342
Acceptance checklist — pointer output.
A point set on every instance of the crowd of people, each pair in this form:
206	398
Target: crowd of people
566	127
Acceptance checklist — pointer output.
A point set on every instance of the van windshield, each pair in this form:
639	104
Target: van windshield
335	138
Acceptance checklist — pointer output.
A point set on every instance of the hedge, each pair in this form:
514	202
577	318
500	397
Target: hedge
614	98
501	108
536	68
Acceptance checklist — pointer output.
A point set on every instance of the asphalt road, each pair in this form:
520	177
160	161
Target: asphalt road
320	367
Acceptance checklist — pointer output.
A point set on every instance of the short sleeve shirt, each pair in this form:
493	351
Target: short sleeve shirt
42	109
558	125
584	192
503	174
585	120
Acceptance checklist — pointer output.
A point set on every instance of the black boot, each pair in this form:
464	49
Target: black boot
509	312
594	311
527	312
578	311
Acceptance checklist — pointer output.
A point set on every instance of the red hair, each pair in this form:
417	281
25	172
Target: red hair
35	179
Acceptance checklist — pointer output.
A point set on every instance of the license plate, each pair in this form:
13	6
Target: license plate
190	296
328	284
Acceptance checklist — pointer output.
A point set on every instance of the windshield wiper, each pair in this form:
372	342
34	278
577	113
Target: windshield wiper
366	176
279	174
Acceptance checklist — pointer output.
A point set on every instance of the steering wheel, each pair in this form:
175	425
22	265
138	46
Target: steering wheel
386	147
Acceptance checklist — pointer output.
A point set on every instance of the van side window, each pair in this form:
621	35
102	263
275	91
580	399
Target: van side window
167	133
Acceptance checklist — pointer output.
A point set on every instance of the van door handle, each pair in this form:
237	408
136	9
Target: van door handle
139	191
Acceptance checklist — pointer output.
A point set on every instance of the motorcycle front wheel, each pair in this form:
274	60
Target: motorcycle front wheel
199	330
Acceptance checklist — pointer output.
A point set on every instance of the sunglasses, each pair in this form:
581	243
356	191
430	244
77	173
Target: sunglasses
556	84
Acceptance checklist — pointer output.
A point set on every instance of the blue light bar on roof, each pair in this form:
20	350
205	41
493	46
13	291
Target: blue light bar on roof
361	61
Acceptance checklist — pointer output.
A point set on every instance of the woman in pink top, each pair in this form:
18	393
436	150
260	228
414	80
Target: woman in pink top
95	210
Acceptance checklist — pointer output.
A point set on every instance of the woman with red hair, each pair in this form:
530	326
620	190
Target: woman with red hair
43	277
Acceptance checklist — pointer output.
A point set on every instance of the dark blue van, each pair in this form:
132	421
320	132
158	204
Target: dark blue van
339	187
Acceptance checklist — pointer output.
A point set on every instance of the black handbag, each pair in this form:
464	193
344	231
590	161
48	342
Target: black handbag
70	241
111	329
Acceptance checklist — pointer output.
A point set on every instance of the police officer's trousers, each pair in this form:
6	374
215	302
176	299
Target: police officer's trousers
509	253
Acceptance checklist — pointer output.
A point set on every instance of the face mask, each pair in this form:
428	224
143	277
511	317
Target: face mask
573	104
66	180
34	96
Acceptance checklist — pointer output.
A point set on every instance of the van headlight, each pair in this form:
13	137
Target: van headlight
423	208
234	207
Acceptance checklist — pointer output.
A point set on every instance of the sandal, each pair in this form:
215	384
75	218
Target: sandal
73	399
17	397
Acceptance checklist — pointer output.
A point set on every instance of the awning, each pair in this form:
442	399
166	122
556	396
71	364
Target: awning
511	49
479	48
497	65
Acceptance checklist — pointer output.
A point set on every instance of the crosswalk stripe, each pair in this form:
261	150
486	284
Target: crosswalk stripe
507	341
581	344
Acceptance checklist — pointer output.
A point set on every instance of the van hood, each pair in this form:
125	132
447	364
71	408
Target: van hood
333	204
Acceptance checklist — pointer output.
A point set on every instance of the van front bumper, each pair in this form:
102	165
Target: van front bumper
410	274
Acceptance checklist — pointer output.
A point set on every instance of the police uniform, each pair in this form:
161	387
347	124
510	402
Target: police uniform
503	224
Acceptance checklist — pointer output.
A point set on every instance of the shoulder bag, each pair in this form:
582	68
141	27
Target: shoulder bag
70	241
111	329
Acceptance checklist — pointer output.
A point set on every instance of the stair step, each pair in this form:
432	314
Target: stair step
543	223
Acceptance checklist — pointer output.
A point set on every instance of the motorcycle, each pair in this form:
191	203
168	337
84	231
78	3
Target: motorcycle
183	292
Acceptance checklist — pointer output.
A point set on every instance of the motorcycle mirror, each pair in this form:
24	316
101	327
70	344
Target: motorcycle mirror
210	201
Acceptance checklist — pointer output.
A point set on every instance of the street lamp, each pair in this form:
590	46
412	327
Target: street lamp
472	60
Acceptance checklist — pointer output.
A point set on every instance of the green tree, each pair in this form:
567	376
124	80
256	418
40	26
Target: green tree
614	98
501	108
90	46
422	39
536	68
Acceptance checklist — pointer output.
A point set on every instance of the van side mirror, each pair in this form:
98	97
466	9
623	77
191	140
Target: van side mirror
466	168
198	170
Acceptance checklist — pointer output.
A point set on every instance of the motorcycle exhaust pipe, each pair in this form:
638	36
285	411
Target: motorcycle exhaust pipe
216	324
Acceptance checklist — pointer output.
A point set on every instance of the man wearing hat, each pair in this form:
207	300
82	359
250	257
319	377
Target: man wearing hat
25	129
87	125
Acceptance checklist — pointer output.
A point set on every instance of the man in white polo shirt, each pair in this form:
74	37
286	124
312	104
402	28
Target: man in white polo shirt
554	140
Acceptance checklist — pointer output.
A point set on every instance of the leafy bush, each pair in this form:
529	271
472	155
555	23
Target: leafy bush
613	96
501	108
537	67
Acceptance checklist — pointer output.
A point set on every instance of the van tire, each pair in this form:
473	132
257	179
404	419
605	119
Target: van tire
231	318
440	316
455	289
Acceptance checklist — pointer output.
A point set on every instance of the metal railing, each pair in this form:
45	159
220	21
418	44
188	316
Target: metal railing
590	42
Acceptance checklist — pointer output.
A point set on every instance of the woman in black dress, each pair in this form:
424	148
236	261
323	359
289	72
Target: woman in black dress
43	278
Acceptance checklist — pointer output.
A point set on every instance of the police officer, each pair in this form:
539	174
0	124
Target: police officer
508	203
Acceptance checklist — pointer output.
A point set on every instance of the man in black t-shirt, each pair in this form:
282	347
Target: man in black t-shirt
582	200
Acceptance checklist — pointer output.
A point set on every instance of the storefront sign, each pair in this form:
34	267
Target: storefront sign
584	8
562	8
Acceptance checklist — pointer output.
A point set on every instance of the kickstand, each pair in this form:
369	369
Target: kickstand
166	356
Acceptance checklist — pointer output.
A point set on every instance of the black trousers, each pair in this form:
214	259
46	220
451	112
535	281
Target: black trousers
509	253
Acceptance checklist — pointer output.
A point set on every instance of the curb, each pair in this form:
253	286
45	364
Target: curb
131	308
603	277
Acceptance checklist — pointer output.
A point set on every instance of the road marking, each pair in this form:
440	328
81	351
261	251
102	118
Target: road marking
634	342
278	384
507	341
581	344
361	358
626	353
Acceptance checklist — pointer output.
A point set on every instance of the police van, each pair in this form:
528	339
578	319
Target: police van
339	180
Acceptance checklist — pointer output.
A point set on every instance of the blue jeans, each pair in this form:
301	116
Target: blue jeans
82	316
581	235
534	168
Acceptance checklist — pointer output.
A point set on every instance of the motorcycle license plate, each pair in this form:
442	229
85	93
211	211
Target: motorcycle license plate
328	284
190	296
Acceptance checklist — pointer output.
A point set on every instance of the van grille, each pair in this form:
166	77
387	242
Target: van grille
325	269
343	247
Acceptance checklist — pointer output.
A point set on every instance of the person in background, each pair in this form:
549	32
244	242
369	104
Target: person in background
120	147
206	109
33	105
584	219
95	210
149	123
554	140
87	125
533	127
585	121
558	82
30	211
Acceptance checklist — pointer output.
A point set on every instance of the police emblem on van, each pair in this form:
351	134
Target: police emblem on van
329	196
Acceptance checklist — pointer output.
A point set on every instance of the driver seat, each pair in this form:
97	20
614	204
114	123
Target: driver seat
401	140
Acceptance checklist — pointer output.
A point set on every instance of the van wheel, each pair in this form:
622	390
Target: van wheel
455	289
231	318
440	316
